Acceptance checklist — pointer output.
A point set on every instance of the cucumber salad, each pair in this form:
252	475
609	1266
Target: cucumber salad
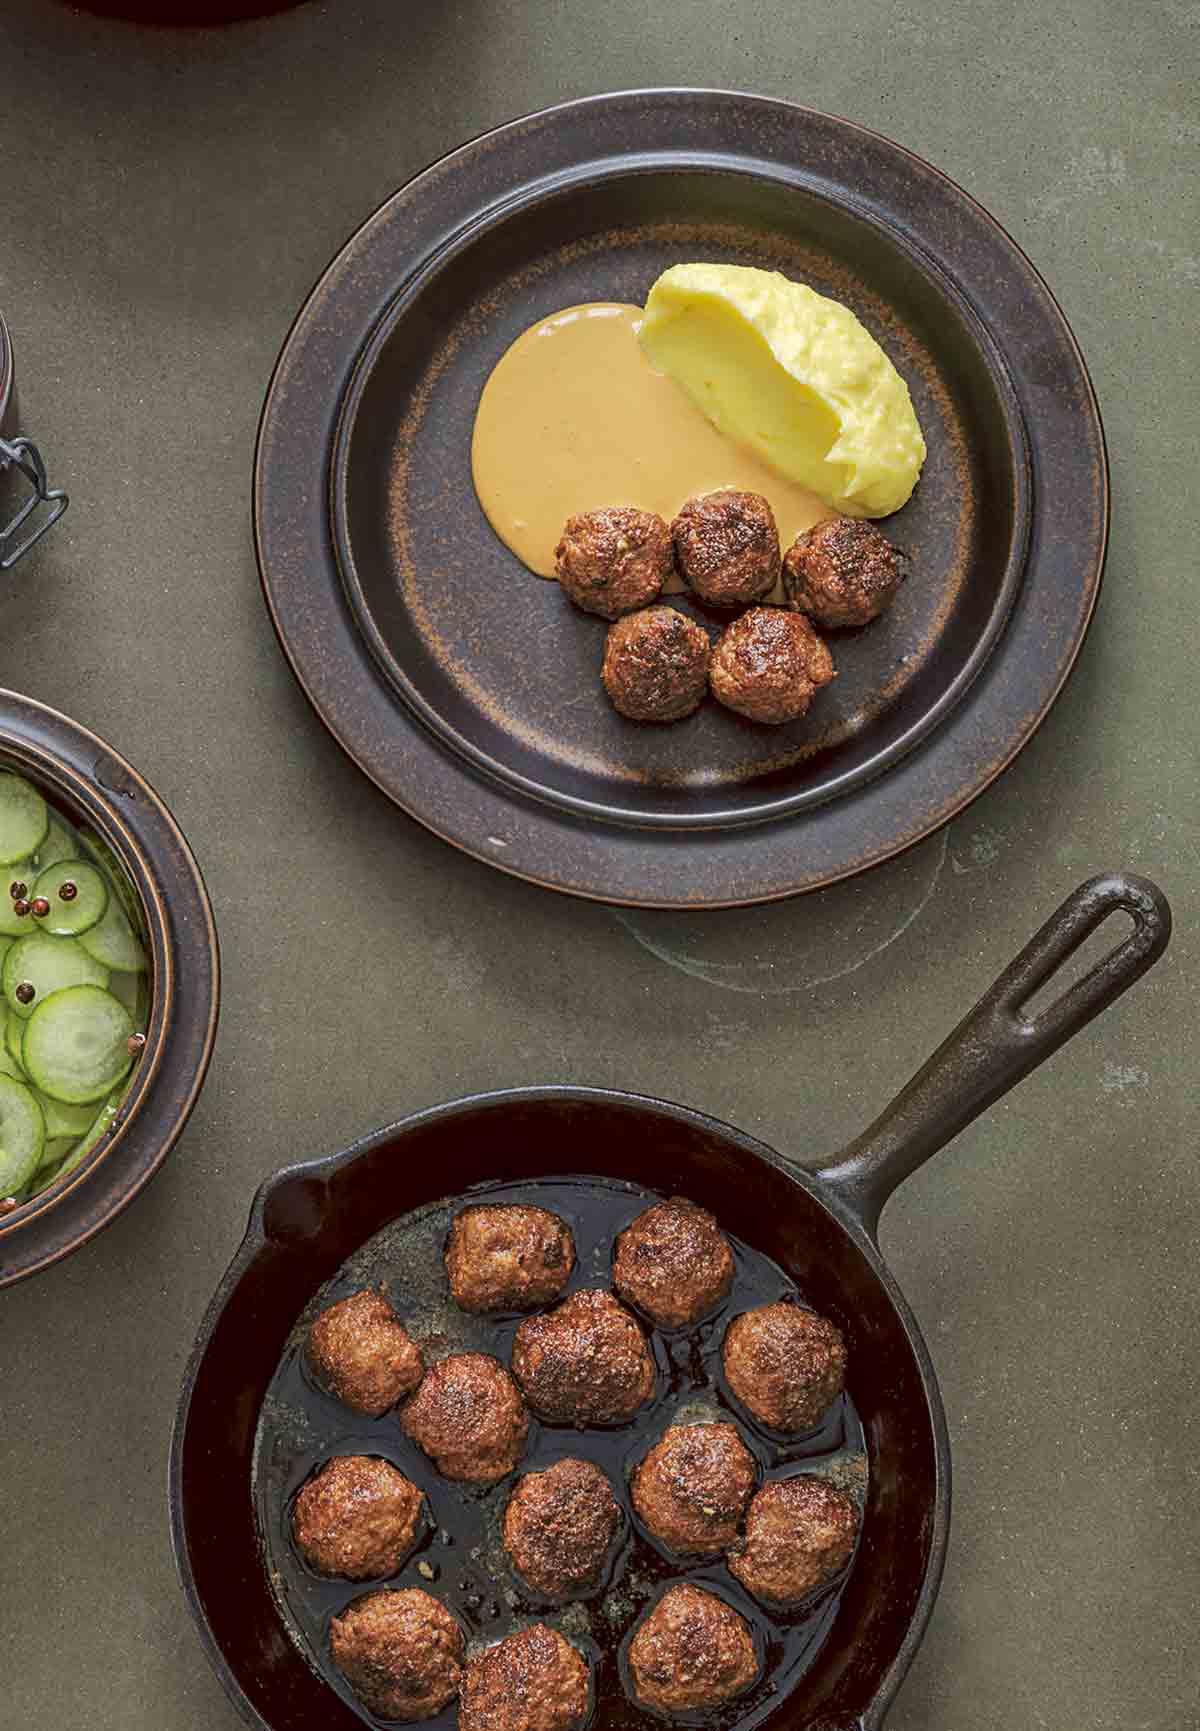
74	991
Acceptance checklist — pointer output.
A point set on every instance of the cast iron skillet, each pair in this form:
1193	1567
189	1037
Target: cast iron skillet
821	1227
468	690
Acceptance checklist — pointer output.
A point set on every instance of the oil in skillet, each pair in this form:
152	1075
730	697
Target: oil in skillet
460	1556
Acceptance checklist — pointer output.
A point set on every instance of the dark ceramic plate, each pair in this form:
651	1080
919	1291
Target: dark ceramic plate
468	689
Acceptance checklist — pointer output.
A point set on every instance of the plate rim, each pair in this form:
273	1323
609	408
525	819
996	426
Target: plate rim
589	885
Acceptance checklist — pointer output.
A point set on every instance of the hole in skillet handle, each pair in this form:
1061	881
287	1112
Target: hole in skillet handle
999	1042
24	456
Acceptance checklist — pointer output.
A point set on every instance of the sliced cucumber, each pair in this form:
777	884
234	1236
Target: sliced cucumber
55	1151
9	1066
14	1039
13	924
114	942
49	965
24	818
61	843
76	1044
103	1124
118	878
84	904
63	1120
22	1135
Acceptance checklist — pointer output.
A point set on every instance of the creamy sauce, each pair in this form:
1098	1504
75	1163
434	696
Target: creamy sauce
574	418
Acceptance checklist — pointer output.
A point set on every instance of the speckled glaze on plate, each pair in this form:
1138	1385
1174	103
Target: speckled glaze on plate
469	691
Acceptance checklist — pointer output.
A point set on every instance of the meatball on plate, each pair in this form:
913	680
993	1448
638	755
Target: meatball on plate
613	561
727	548
656	665
842	572
769	665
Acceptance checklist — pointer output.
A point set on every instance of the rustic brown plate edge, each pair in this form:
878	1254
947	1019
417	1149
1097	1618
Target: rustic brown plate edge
761	893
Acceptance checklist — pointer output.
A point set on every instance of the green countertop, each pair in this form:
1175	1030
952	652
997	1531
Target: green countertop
166	202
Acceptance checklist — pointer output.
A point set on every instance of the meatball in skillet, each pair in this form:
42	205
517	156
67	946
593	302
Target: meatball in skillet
727	547
692	1651
400	1651
674	1263
613	561
508	1257
800	1533
584	1363
468	1416
534	1680
769	665
656	665
358	1517
559	1525
692	1488
785	1364
361	1352
841	572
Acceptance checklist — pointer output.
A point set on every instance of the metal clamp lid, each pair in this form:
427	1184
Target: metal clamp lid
23	454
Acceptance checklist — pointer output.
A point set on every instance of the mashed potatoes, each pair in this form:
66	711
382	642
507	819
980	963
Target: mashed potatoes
793	376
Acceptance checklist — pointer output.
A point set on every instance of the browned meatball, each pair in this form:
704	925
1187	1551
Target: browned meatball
611	562
558	1526
692	1651
656	665
586	1362
358	1516
469	1417
362	1353
400	1651
727	547
692	1488
842	572
508	1257
799	1534
769	665
673	1262
533	1681
785	1364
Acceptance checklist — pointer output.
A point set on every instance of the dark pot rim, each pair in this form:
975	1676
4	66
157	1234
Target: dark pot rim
258	1237
100	787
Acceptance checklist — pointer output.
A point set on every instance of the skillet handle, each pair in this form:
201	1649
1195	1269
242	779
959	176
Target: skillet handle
997	1044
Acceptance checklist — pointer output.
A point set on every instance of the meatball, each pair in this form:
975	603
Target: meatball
842	572
692	1488
534	1680
558	1527
656	665
612	562
785	1364
361	1352
769	665
799	1534
358	1517
508	1257
692	1651
586	1362
727	547
469	1417
400	1651
673	1262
